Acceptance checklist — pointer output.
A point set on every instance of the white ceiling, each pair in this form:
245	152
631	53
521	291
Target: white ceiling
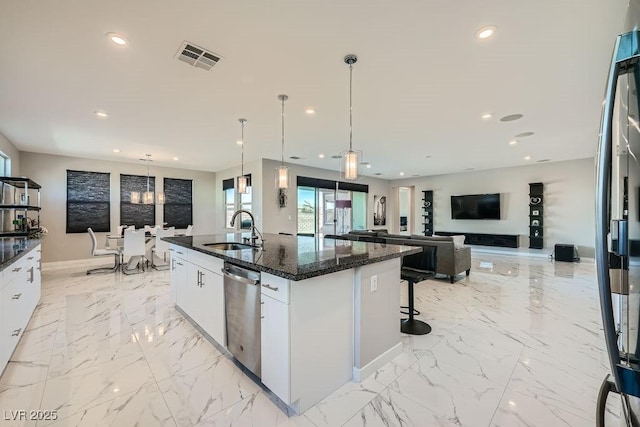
420	86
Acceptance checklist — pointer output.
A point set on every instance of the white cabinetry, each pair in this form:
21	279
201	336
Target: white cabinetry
19	295
307	336
198	287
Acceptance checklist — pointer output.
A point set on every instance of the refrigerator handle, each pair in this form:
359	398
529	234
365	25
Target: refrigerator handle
602	197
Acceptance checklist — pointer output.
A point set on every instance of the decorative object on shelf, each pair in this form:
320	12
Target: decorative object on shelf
351	156
17	223
282	171
379	210
242	181
427	212
148	197
536	221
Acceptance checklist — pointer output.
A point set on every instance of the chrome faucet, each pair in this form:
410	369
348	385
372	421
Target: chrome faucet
255	233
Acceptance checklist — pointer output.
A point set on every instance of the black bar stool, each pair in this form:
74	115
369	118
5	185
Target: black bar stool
417	268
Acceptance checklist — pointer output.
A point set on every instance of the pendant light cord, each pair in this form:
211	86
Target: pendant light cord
242	150
350	107
148	171
283	98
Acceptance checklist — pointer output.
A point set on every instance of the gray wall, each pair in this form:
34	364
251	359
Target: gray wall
276	219
50	171
10	150
568	201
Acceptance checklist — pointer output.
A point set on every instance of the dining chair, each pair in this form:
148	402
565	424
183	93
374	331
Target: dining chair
161	250
102	252
189	231
134	249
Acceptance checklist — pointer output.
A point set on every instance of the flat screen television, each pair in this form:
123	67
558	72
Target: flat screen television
476	206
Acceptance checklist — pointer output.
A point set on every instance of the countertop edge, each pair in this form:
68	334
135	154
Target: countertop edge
301	276
33	243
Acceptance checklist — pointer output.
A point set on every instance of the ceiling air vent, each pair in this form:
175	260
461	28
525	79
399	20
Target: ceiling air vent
197	56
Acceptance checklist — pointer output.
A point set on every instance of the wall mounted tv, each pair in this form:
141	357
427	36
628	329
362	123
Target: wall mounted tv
476	206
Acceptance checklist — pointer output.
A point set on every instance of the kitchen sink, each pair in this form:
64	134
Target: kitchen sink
228	246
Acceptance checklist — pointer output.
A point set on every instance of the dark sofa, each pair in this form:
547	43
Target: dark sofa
451	260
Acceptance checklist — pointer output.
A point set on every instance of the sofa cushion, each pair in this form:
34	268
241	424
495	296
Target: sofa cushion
458	241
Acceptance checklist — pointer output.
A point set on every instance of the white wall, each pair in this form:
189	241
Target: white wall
276	219
51	173
10	150
568	201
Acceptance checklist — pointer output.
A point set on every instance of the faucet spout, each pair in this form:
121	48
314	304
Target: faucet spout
254	231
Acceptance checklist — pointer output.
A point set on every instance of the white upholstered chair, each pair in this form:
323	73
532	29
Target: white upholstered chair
160	252
103	252
134	250
189	231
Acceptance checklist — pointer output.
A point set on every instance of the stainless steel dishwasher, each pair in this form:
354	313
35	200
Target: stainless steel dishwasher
242	304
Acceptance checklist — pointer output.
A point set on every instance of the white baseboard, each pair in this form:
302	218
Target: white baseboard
360	374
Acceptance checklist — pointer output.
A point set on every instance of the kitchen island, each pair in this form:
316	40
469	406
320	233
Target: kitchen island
329	309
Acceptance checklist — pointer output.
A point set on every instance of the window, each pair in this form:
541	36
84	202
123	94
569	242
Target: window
234	201
88	201
5	165
178	206
136	214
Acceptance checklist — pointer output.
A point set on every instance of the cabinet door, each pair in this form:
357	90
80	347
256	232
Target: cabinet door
5	334
275	347
186	287
212	308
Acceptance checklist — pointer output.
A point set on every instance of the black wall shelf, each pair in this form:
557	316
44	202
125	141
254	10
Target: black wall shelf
536	215
427	212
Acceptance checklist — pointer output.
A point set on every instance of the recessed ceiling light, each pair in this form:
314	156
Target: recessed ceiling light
369	166
527	157
486	32
118	39
115	150
310	111
321	155
487	116
401	173
101	114
511	117
513	142
239	142
524	134
176	158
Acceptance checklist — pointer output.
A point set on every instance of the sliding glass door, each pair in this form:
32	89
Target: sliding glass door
323	211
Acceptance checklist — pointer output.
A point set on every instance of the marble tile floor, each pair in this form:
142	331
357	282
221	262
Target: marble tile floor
518	343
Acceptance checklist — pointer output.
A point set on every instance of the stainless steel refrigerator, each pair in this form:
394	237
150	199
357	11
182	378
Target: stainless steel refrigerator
618	222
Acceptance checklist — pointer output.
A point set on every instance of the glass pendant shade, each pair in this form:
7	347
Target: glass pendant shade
242	184
282	177
135	197
160	198
147	197
351	165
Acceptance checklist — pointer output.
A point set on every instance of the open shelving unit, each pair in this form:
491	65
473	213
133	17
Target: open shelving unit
427	212
536	215
19	196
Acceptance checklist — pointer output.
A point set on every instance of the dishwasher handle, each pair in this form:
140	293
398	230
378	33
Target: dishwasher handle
240	279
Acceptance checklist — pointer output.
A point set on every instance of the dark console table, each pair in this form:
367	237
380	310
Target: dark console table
502	240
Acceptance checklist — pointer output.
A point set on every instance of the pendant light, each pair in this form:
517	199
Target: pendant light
148	197
242	180
282	172
351	155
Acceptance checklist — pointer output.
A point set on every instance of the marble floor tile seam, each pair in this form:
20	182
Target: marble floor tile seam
504	390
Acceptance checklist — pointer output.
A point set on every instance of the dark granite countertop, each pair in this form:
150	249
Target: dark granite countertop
296	257
13	248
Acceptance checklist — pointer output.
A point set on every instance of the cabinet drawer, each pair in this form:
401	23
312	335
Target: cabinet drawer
275	287
178	251
15	271
209	262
